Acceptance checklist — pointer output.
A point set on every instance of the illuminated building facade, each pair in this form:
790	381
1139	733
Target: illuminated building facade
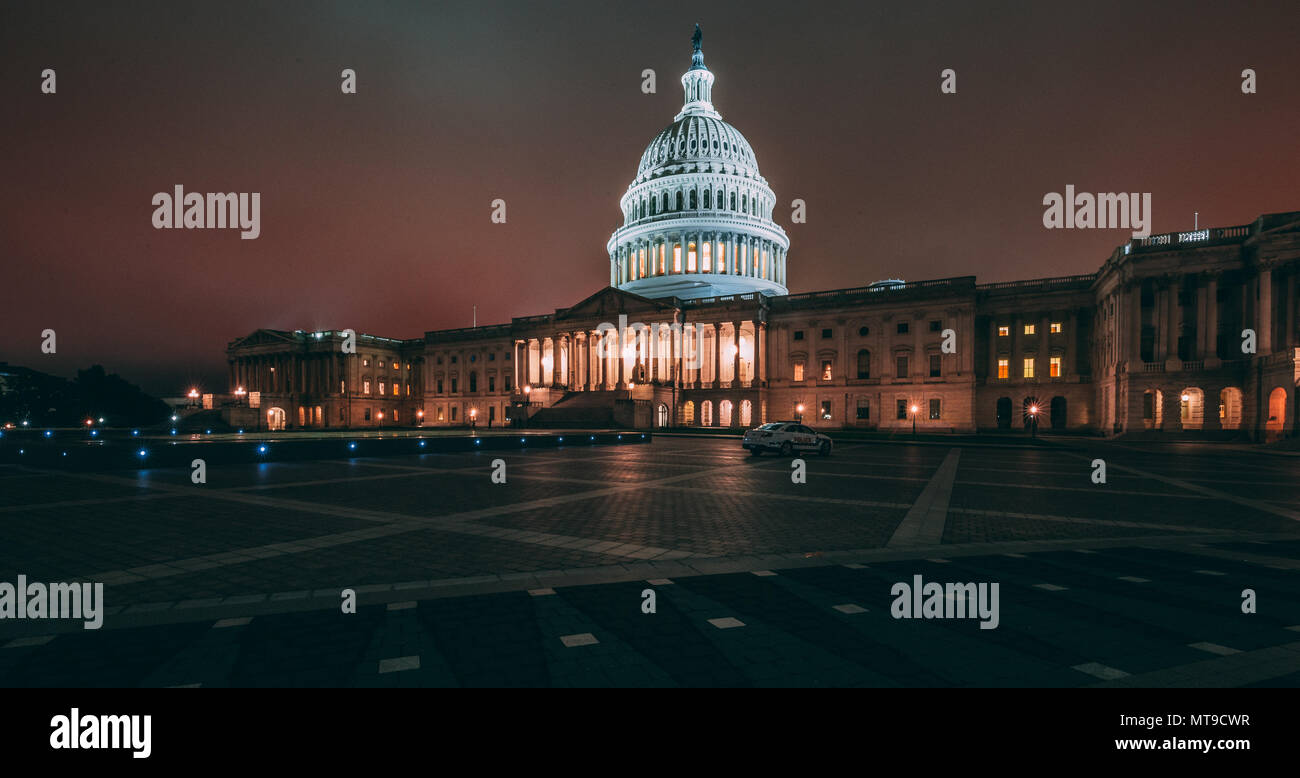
1191	333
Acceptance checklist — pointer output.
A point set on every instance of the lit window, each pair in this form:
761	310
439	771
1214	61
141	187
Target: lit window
381	363
365	387
798	371
1056	326
706	257
365	363
902	409
1055	367
1004	368
677	258
381	387
826	410
722	253
1029	367
826	370
934	409
1030	329
690	258
1004	332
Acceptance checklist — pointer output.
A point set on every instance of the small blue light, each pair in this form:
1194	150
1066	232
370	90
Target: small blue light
643	436
207	432
521	440
477	441
241	432
142	453
561	438
620	437
173	432
134	433
49	434
593	437
352	445
22	451
94	433
422	444
65	453
261	449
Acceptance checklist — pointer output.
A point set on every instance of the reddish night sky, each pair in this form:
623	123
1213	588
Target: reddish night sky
375	206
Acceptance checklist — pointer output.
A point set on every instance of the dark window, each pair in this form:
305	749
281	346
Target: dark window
507	356
900	368
367	414
473	382
863	331
934	409
826	334
935	361
453	360
473	357
902	328
506	380
453	386
798	334
864	364
902	409
492	356
492	383
439	386
440	360
935	326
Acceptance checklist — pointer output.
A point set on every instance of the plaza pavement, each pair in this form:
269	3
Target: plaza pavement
539	581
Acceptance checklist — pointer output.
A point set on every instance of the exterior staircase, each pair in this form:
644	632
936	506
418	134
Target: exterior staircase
582	410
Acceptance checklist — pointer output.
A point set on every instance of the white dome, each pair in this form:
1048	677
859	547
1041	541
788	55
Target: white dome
697	219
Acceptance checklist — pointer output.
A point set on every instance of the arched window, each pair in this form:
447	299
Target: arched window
733	201
665	201
719	200
724	413
1230	408
706	413
744	203
679	201
708	194
746	413
688	412
864	364
694	201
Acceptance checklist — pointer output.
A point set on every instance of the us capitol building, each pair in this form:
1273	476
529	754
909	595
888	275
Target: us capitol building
697	328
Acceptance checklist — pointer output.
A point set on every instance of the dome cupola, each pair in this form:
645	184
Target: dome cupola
697	219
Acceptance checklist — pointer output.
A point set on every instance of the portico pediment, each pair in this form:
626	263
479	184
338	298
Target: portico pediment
608	303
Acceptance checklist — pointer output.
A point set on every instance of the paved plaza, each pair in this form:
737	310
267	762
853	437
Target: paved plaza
757	580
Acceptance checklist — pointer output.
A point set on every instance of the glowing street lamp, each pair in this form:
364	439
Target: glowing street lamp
240	394
1033	421
914	410
798	413
473	418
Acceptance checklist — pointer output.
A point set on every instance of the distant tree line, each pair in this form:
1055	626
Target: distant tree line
47	400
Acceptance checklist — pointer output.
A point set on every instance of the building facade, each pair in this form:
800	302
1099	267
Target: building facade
1192	333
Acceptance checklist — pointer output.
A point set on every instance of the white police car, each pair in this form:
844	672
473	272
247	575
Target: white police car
786	437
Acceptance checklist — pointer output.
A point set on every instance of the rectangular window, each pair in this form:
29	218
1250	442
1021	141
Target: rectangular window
381	387
902	328
826	410
492	383
1004	332
367	415
365	387
440	414
439	386
798	371
900	367
454	388
902	410
935	326
677	258
864	409
381	363
690	258
826	370
1056	327
507	383
1055	367
1030	329
798	334
934	409
1004	368
936	366
1029	367
365	363
394	414
453	413
826	334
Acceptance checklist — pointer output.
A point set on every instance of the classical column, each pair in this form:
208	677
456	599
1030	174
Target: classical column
1264	319
1202	339
1172	320
1135	325
760	356
1288	339
735	354
717	355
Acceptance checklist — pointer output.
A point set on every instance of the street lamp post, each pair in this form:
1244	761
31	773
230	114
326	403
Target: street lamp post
914	409
1033	421
798	413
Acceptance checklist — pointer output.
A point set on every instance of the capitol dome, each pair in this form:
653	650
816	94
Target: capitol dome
697	219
